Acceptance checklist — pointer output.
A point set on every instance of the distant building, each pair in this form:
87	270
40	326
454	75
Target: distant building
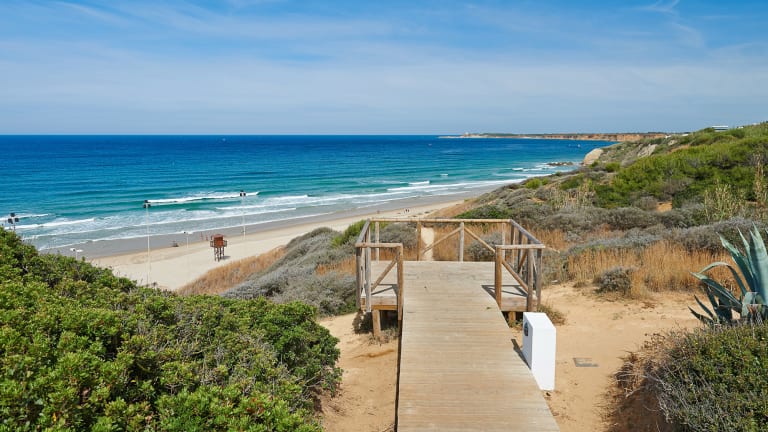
720	128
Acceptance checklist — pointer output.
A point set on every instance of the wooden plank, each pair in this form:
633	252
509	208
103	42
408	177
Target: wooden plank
459	370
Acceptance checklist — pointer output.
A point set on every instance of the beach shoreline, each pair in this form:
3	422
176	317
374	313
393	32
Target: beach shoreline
172	262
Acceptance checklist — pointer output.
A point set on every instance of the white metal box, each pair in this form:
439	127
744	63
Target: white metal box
539	340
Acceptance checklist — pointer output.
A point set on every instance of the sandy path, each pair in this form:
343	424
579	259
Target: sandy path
597	331
366	400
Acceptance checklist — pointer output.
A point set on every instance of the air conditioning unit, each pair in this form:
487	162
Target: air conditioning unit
539	337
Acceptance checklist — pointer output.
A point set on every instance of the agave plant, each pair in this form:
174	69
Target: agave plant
751	278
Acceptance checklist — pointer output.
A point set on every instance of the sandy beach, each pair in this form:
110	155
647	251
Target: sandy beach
171	267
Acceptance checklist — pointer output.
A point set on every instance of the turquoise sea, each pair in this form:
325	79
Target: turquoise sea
69	190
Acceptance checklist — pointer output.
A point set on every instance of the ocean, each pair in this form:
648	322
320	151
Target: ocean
69	190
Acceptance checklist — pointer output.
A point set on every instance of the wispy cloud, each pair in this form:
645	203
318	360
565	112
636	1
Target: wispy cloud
662	6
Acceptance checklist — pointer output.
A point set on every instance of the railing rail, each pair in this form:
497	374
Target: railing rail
520	253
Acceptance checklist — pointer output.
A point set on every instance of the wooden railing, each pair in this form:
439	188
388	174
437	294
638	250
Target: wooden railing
363	248
520	253
523	263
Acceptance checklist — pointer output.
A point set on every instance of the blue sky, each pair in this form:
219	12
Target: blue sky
380	67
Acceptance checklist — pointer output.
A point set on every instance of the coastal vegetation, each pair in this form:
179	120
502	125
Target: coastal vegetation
639	220
81	349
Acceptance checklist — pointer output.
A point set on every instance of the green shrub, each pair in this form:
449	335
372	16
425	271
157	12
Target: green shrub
647	203
685	174
533	183
626	218
572	182
612	167
714	379
488	211
707	237
615	280
350	234
575	221
81	349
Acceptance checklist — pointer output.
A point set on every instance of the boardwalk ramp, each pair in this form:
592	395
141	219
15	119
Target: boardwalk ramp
458	368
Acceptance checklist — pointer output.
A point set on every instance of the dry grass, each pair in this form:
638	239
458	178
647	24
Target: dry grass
633	405
448	250
225	277
348	266
553	239
663	266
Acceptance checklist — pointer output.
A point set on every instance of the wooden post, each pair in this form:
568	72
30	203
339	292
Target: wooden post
367	279
503	233
519	255
377	240
359	277
376	315
400	286
538	275
461	242
530	303
497	275
418	241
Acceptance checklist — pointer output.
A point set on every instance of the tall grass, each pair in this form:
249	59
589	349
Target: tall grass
222	278
662	266
347	266
448	250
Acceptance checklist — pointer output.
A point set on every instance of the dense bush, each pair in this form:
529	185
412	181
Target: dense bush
685	174
707	237
714	379
81	349
404	233
488	211
646	203
617	280
350	234
577	221
528	213
626	218
683	217
478	252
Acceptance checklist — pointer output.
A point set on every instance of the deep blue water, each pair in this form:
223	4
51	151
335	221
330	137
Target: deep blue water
73	189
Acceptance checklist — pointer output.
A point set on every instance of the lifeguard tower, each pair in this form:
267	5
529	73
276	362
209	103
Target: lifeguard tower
218	244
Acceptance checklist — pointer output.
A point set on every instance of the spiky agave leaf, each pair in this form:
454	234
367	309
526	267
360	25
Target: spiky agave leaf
709	319
702	318
726	299
758	258
741	261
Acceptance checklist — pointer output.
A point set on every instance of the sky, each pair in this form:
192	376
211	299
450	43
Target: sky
380	67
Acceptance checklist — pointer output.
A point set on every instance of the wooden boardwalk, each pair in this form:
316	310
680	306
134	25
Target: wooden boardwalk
458	369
